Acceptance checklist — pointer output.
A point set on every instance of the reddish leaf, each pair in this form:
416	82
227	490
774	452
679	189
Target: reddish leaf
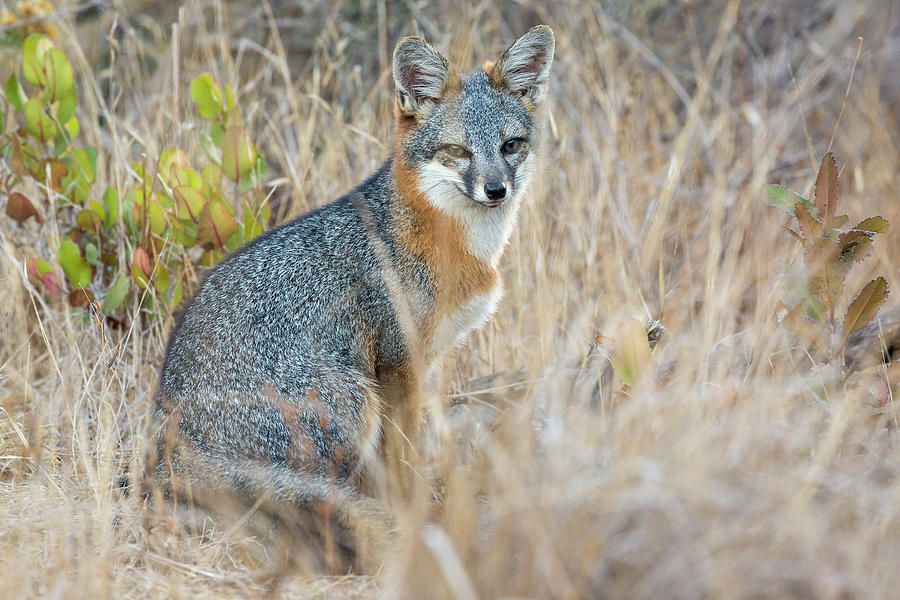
863	308
80	298
55	170
41	271
51	282
826	271
827	189
20	208
141	267
809	225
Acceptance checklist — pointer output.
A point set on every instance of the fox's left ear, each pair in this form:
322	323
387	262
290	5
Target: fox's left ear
524	68
420	74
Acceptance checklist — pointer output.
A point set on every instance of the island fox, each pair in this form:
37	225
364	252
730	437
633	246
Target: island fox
299	359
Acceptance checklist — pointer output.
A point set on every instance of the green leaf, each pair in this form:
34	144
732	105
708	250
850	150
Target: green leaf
161	280
211	258
827	190
116	295
230	104
77	270
34	49
88	220
212	145
189	202
58	75
252	227
111	204
65	109
15	94
170	162
156	214
207	95
175	299
785	199
81	173
92	254
873	224
184	232
865	306
215	224
37	123
238	153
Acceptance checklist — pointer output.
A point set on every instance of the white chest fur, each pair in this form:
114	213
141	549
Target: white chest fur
454	328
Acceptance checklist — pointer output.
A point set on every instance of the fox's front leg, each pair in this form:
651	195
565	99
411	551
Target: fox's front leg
400	391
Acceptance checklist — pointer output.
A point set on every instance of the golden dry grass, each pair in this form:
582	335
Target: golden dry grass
720	475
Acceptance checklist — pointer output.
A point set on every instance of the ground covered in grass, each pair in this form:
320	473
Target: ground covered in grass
739	465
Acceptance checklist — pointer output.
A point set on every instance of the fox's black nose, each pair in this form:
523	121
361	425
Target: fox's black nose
495	190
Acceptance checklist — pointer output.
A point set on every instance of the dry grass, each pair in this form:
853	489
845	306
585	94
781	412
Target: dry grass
721	477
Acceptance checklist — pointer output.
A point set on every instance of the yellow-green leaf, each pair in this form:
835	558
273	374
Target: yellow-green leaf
15	94
111	204
77	270
865	306
785	199
215	224
116	295
34	48
57	74
238	153
89	220
873	224
207	95
37	123
188	202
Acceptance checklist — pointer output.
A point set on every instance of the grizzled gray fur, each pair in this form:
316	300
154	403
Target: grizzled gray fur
300	353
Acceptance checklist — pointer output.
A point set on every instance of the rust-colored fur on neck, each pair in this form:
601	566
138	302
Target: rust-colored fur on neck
439	240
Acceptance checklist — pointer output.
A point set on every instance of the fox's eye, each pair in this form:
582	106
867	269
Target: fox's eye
512	146
455	151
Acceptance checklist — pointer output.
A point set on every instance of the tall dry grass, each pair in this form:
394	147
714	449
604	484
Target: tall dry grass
721	475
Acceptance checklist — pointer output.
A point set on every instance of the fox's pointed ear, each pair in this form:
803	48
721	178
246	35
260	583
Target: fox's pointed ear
420	74
524	68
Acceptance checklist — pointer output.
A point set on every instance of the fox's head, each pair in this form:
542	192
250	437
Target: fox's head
469	139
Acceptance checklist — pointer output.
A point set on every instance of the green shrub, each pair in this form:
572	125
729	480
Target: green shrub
169	208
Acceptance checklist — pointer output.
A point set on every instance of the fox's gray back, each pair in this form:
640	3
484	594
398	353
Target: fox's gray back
277	337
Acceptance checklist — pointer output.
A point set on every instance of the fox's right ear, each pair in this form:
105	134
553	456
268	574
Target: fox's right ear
420	74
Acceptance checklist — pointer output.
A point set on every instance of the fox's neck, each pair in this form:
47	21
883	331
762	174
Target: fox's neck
443	242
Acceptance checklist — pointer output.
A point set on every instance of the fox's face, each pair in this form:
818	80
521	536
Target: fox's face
470	138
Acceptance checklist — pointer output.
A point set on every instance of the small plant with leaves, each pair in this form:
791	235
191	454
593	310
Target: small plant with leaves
824	317
169	209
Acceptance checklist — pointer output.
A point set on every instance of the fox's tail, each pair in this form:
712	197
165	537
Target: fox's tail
318	523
